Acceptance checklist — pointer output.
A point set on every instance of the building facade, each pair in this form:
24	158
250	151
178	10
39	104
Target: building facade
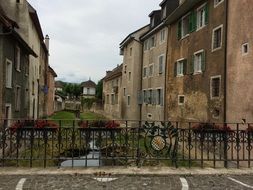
88	89
51	91
112	93
14	70
131	49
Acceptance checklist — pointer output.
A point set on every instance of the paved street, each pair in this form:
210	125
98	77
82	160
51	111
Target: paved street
120	182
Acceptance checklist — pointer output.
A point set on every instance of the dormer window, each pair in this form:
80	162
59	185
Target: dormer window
164	12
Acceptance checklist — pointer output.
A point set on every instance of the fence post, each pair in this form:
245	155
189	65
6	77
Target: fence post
225	139
138	146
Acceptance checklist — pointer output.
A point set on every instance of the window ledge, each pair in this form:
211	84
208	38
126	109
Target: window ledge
187	35
197	73
180	75
200	28
216	49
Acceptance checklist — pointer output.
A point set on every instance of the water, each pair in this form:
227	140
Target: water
93	158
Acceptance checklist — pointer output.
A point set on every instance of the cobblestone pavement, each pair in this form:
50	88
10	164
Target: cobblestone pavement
124	182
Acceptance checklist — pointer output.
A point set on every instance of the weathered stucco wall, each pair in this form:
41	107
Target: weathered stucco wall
51	93
239	65
157	80
196	87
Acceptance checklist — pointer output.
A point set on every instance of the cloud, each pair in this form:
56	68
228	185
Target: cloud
85	35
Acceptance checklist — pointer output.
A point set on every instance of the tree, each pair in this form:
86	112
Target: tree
99	90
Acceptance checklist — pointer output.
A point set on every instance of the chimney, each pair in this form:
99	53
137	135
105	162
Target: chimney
47	42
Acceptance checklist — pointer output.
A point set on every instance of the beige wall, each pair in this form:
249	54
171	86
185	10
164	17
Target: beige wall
132	63
113	110
239	66
157	80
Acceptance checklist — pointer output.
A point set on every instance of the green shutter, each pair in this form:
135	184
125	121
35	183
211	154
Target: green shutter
206	13
179	30
203	63
185	66
175	69
193	21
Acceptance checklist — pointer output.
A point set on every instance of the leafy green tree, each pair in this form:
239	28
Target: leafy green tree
99	90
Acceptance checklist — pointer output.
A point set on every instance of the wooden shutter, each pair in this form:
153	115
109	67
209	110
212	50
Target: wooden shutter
206	13
203	61
193	21
179	30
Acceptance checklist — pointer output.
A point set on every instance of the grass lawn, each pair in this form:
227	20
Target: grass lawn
91	116
66	117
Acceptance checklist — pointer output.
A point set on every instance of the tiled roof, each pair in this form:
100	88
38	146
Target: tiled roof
114	73
89	84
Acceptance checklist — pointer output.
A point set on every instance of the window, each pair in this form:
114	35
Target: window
33	87
116	99
201	16
131	51
125	69
149	97
151	68
18	1
164	12
161	63
145	72
26	66
183	27
107	99
8	114
129	76
245	49
162	36
181	100
8	73
145	98
128	100
152	22
217	2
112	99
17	98
180	67
17	58
152	42
215	86
199	61
159	97
26	98
124	91
217	38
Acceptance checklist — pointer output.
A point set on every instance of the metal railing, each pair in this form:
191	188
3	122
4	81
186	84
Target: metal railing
65	143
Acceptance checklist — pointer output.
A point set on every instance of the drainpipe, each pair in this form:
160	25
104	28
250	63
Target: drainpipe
225	60
165	117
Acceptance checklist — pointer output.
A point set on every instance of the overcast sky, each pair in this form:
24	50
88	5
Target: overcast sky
85	34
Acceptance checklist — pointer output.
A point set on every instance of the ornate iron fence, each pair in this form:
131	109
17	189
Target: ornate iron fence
65	143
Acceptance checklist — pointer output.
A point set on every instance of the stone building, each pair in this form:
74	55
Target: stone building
51	91
154	63
210	61
30	30
14	77
59	86
88	89
112	92
131	49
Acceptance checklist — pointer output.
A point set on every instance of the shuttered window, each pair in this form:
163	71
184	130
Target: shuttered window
161	63
199	62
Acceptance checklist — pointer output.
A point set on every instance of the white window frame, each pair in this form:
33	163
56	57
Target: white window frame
151	65
180	61
182	26
163	64
146	46
243	45
162	36
178	100
195	55
8	74
161	100
199	24
218	27
216	3
164	12
149	43
211	87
